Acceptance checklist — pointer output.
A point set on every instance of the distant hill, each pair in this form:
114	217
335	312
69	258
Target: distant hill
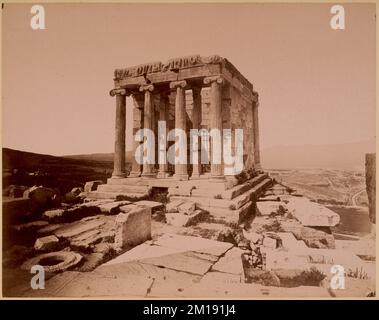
23	159
98	156
63	173
350	156
18	159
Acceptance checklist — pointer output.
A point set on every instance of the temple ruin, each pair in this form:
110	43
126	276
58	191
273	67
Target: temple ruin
190	92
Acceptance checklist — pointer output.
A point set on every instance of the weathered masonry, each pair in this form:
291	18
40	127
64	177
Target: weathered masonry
188	93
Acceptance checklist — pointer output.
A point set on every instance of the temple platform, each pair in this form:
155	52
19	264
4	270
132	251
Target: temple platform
222	201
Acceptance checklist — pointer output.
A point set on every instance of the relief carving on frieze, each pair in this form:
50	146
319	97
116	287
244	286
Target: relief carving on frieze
172	64
182	62
138	70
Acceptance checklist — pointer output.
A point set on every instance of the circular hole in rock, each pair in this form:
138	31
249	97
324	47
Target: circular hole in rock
50	261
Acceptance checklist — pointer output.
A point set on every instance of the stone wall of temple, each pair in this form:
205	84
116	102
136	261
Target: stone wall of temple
241	117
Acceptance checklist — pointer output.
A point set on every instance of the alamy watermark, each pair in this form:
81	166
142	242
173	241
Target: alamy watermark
216	146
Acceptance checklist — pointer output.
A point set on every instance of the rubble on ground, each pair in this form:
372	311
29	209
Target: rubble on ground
287	243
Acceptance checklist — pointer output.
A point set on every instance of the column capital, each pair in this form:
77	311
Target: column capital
219	79
146	87
119	91
178	84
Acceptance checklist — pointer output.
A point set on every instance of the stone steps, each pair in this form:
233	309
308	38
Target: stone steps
242	188
218	208
122	188
127	181
113	195
231	204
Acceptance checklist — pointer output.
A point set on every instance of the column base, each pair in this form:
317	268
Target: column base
258	167
148	175
195	176
220	178
134	174
178	176
118	175
162	175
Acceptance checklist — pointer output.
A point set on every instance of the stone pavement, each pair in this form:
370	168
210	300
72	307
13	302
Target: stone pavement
170	266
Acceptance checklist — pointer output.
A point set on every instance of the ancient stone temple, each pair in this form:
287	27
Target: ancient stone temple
191	92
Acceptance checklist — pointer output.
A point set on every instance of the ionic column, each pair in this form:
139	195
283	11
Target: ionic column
257	159
181	171
196	121
162	142
147	170
119	153
215	120
138	101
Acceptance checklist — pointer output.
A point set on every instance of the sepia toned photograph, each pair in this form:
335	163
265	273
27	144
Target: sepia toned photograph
200	151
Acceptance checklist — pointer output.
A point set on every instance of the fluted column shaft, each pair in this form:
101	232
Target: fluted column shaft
181	171
119	154
163	116
215	120
196	122
147	170
138	101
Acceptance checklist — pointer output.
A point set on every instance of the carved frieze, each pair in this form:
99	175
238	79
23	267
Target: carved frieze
170	65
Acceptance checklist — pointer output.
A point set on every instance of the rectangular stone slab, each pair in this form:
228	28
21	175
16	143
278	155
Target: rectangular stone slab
312	214
230	263
197	244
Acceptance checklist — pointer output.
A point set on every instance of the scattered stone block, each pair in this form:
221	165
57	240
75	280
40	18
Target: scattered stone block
180	219
133	228
278	189
187	207
55	214
269	242
196	244
76	191
270	198
153	205
266	208
184	192
263	224
312	214
231	262
92	185
285	260
113	207
42	198
254	237
76	212
172	206
49	243
289	241
30	226
321	238
127	208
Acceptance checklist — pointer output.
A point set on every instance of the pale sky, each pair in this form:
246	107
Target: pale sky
316	84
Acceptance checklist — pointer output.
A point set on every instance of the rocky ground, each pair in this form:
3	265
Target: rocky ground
286	248
327	186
